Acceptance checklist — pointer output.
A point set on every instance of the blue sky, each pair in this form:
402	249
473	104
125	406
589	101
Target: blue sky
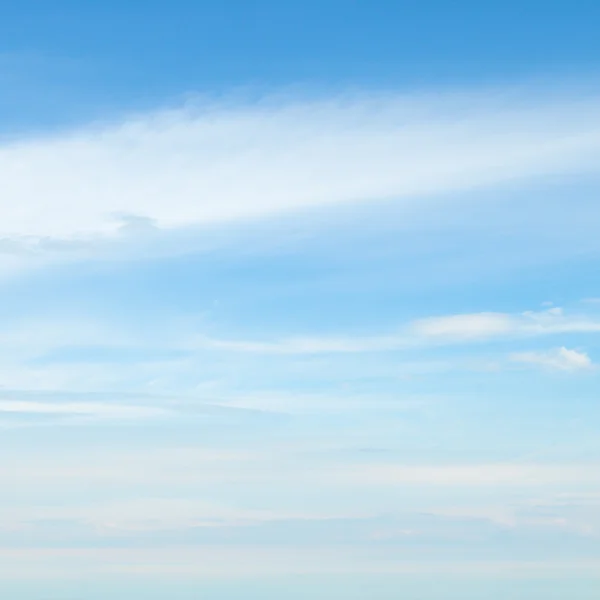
299	300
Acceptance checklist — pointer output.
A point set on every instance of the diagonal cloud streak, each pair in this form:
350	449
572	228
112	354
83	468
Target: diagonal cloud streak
221	163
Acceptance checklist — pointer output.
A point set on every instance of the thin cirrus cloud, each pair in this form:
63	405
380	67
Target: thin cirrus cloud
451	329
152	513
224	163
97	410
252	560
27	340
471	475
202	466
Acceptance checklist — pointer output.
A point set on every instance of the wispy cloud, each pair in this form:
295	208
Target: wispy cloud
559	359
96	410
277	464
465	327
472	475
212	164
451	329
142	514
252	560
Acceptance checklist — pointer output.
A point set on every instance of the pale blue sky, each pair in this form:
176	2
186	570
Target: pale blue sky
299	300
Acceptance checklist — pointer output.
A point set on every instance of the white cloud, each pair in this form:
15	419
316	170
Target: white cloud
578	513
161	466
451	329
242	561
33	336
215	164
560	359
152	513
508	474
482	325
274	464
97	410
306	345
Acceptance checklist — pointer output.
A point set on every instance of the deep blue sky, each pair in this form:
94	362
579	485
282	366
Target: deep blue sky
112	54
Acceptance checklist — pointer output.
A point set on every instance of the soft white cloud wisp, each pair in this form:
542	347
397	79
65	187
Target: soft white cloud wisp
448	329
560	359
186	167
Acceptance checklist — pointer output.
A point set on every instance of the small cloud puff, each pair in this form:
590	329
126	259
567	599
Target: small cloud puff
559	359
468	326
